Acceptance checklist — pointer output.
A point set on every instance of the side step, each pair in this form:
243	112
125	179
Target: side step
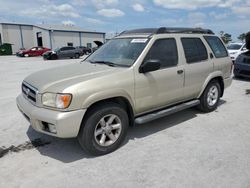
166	112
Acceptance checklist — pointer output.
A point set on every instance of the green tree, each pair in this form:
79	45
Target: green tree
225	37
242	37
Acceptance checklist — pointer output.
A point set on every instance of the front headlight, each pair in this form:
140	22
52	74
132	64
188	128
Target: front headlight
56	100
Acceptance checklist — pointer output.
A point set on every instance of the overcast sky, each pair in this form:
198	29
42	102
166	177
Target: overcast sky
231	16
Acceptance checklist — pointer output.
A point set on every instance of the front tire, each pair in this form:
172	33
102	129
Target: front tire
53	57
210	98
104	129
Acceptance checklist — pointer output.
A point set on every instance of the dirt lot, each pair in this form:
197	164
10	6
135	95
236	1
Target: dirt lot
187	149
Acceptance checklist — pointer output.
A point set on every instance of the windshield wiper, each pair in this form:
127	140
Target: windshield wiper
107	63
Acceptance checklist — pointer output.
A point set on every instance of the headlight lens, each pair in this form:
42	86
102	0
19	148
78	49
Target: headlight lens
56	100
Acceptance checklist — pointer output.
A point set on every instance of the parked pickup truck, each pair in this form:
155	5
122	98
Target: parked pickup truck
137	77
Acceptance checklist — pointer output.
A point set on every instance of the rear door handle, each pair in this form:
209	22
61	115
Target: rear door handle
180	72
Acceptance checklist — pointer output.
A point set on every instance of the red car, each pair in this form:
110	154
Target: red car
35	51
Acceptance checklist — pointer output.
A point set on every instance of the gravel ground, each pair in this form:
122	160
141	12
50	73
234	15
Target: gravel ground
187	149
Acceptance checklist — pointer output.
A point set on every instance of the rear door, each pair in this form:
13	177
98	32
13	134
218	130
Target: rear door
33	51
221	57
198	65
39	51
63	52
71	52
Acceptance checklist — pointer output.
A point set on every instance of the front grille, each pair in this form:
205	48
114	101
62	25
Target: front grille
29	92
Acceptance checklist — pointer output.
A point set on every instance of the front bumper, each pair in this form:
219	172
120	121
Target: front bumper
19	54
67	124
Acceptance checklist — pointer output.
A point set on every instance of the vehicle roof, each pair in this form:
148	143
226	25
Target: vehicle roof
165	30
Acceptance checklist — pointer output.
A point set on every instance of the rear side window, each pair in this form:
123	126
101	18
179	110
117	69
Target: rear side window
217	46
195	50
67	48
63	48
164	50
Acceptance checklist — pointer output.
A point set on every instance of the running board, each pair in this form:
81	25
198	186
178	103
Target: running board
166	112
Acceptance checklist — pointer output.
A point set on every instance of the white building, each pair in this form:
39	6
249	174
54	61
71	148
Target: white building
50	36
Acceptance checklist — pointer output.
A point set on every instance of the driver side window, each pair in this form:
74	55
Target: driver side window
164	50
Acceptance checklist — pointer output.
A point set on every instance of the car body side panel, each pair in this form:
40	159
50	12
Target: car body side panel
107	94
195	73
158	88
120	84
208	79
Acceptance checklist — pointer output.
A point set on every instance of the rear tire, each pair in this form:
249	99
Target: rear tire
104	129
210	97
77	56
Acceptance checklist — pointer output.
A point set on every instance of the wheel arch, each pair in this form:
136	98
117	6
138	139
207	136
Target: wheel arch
121	100
214	76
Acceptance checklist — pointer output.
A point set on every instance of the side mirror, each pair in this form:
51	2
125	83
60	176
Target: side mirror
150	66
243	49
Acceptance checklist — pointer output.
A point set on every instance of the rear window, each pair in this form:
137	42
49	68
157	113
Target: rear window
217	46
195	50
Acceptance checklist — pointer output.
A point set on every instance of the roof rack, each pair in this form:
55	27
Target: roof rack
162	30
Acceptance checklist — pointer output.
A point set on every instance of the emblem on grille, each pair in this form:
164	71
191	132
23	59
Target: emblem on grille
26	91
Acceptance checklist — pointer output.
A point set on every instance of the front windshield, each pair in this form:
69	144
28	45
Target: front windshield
234	47
120	52
56	50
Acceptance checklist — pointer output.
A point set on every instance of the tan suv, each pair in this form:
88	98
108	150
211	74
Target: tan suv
137	77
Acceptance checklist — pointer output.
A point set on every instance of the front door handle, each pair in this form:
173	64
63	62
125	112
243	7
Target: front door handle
180	72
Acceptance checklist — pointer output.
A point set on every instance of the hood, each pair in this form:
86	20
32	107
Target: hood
98	43
59	78
233	51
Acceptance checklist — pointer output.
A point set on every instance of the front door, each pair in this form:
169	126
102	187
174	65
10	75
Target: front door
163	87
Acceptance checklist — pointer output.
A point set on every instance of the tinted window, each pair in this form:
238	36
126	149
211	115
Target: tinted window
194	49
63	48
165	51
217	46
67	48
70	44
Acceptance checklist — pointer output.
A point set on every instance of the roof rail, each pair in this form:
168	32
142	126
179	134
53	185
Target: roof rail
162	30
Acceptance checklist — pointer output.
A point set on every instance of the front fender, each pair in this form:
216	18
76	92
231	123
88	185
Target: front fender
107	94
